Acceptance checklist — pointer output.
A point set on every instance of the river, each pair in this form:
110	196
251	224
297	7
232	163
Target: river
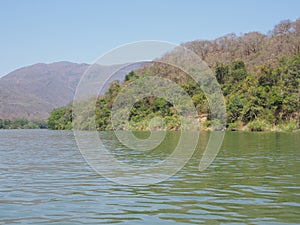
255	179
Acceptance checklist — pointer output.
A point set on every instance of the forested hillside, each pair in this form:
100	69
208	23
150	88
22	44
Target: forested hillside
259	75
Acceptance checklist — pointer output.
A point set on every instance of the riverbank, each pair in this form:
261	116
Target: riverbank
254	126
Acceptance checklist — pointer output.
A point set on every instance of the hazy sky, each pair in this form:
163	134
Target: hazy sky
81	31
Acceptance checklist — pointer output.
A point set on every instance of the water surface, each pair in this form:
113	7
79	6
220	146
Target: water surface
254	180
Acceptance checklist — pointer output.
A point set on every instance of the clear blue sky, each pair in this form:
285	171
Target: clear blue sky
35	31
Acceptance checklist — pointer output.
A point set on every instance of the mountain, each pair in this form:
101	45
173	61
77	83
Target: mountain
258	74
33	91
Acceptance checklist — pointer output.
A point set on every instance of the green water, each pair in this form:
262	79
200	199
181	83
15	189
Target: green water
254	180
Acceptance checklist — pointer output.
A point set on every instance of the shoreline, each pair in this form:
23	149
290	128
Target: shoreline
242	130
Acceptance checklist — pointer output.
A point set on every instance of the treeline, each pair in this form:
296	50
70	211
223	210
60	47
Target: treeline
22	123
258	74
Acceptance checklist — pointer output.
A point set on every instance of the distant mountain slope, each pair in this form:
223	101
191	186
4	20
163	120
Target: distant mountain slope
33	91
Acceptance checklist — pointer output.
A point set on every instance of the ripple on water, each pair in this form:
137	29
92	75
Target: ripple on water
44	180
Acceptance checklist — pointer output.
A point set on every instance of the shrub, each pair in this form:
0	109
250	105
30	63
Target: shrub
258	125
235	126
289	126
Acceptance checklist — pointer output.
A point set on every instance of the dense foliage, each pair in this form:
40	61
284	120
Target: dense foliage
258	74
61	118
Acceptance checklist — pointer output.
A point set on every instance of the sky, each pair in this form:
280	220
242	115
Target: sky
34	31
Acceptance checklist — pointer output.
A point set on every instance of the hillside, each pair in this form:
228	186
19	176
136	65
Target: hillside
254	48
32	92
259	75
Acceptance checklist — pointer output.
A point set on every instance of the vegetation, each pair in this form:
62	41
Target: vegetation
61	118
258	74
258	102
22	124
254	49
